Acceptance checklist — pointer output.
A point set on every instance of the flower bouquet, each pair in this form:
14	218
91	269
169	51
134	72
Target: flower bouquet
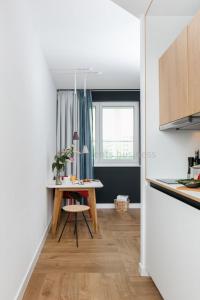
60	160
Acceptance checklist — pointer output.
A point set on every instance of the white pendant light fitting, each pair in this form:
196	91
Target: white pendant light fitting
85	85
78	71
85	150
75	83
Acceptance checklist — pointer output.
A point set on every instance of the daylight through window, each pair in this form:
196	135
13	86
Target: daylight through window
116	133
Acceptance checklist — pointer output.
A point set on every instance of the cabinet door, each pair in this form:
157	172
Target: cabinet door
173	78
194	64
172	242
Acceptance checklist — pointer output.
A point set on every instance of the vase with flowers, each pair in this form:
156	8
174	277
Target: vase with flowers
60	160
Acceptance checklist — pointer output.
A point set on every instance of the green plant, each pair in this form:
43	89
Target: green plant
61	158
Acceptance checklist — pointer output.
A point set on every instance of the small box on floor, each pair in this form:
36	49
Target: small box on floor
122	203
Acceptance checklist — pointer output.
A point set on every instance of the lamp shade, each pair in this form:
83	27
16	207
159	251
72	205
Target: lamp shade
75	136
85	149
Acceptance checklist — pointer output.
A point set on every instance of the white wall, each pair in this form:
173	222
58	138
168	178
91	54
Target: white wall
167	152
143	148
164	154
27	145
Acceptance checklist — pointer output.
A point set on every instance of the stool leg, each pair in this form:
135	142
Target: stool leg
64	227
71	201
76	229
87	224
75	224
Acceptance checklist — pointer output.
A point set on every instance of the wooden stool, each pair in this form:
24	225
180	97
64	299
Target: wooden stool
72	199
76	209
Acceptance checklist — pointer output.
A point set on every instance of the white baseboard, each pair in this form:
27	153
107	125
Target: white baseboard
111	205
32	265
143	271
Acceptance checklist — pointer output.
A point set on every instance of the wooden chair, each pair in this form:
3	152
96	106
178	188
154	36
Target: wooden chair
76	209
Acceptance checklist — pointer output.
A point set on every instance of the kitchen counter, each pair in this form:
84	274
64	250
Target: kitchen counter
191	198
172	241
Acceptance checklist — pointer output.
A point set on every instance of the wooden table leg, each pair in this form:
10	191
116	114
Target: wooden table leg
92	203
56	210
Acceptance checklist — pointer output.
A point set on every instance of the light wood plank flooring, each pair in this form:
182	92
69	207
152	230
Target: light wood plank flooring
105	268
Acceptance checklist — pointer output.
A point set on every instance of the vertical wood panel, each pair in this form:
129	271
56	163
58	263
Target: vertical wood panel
194	64
173	68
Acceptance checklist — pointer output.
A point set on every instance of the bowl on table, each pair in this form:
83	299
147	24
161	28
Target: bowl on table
190	183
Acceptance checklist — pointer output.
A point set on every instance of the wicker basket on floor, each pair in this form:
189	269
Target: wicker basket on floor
121	206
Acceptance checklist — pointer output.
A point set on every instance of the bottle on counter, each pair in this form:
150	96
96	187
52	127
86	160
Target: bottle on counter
196	158
190	165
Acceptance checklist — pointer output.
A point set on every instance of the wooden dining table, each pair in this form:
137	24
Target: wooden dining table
90	187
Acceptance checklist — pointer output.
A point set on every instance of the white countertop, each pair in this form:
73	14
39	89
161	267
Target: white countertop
173	187
86	185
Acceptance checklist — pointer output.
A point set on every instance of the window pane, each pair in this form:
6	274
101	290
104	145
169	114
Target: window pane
118	128
94	127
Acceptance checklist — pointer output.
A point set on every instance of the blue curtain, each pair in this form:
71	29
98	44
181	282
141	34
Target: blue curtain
86	134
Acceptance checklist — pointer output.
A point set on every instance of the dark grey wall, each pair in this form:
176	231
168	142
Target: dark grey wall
120	95
117	180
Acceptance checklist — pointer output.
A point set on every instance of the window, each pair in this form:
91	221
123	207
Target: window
116	133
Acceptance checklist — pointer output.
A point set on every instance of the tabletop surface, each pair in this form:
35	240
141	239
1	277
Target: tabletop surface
86	185
194	195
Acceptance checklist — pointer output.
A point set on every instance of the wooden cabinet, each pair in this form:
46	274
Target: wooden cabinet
194	64
179	75
173	80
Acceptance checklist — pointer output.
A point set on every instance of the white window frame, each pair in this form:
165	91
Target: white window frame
98	160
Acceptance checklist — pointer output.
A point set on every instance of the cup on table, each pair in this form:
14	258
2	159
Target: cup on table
73	178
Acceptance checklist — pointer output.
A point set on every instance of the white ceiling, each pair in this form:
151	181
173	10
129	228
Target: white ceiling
95	34
174	7
160	7
135	7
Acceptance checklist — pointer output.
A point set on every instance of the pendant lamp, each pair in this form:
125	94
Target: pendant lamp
85	149
75	136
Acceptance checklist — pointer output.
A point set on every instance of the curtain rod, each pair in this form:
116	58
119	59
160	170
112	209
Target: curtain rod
58	90
113	90
103	90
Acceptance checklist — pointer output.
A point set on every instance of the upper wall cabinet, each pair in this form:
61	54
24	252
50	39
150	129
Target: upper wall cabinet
173	80
194	64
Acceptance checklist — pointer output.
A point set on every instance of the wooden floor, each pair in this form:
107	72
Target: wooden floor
105	268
